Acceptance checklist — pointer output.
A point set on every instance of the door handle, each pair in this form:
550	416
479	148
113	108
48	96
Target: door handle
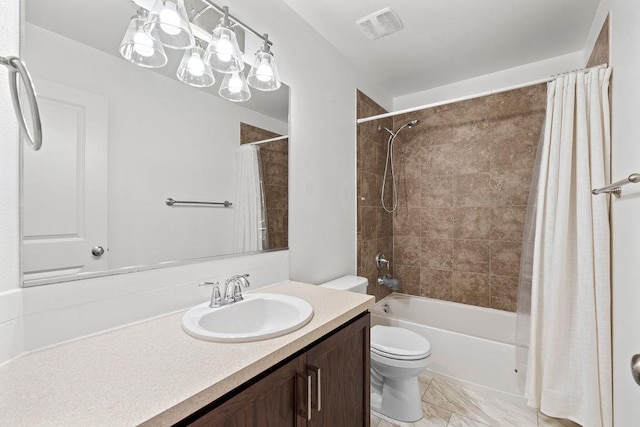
317	396
97	251
303	395
635	368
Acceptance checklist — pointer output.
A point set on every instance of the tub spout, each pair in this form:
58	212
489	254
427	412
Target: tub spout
389	282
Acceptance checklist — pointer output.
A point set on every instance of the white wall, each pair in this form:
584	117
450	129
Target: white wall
625	59
165	139
494	81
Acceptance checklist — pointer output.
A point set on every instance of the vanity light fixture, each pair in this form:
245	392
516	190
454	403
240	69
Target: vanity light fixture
193	69
264	73
168	23
139	47
234	87
223	52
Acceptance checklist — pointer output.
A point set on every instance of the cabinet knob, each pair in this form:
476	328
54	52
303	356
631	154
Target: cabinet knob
635	368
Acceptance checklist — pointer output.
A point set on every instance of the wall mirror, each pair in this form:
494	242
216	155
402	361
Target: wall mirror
119	140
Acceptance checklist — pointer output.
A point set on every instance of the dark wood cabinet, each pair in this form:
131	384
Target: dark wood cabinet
325	384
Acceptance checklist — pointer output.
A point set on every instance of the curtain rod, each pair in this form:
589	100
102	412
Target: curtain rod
277	138
477	95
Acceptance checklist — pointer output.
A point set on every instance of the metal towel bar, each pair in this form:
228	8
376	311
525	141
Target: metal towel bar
616	187
171	202
18	68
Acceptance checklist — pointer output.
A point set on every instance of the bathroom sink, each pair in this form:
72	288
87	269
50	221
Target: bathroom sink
258	317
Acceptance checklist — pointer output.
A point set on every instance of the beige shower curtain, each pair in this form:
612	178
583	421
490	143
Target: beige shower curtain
569	359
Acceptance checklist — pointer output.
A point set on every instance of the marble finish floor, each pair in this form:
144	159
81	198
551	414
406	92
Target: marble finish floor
449	404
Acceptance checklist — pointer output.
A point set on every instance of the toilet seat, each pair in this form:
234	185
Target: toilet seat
398	343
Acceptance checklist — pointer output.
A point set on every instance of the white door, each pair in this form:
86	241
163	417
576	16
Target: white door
65	185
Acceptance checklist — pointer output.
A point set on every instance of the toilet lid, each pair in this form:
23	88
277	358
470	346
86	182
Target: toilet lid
398	343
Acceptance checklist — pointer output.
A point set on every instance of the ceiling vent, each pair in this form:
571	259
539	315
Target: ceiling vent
380	23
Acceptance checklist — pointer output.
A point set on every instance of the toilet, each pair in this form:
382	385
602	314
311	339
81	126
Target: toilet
398	356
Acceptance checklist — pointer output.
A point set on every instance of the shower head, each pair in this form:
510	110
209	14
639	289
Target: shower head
412	123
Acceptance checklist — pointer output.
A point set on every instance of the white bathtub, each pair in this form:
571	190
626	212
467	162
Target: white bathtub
469	344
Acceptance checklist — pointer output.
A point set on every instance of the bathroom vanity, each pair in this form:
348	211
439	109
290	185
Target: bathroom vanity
326	384
153	373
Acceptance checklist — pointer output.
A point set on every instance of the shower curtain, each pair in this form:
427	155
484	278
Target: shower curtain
249	231
564	318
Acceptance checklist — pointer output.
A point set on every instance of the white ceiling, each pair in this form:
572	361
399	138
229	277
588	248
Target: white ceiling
445	41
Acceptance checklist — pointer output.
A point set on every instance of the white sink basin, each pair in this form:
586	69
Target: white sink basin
258	317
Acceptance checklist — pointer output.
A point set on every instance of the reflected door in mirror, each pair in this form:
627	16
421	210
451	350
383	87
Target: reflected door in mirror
65	185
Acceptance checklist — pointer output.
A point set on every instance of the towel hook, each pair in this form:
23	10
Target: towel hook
18	68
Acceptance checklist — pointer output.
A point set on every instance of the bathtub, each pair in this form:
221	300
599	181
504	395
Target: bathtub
469	344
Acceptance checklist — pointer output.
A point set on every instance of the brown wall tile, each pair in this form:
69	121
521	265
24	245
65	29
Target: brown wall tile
436	254
406	251
507	223
471	255
505	258
504	293
437	223
472	223
409	279
436	284
406	222
472	190
471	288
437	191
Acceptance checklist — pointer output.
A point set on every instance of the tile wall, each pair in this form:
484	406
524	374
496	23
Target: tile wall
375	226
274	158
464	175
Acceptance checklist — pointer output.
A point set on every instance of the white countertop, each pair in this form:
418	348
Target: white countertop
152	372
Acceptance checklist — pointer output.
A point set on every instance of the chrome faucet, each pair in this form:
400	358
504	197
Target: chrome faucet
233	292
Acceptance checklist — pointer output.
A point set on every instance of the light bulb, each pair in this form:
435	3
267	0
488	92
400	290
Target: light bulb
169	19
143	44
235	83
224	49
195	65
264	72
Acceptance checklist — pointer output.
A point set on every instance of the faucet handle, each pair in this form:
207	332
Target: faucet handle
216	298
201	284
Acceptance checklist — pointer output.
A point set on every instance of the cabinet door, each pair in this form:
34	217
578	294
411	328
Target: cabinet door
340	377
277	400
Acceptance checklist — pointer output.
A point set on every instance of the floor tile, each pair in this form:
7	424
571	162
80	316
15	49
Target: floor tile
460	421
545	421
479	406
374	421
424	380
434	416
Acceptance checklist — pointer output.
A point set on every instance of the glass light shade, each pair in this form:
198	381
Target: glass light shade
223	52
264	73
234	87
140	48
193	70
168	23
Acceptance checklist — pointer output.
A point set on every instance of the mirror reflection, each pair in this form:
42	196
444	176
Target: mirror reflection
119	140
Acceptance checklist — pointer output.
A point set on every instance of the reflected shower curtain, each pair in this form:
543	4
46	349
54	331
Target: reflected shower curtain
564	318
249	231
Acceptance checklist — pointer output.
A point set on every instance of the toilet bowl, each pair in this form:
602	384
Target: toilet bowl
398	356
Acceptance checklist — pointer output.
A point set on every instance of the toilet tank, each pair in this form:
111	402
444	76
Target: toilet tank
356	284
